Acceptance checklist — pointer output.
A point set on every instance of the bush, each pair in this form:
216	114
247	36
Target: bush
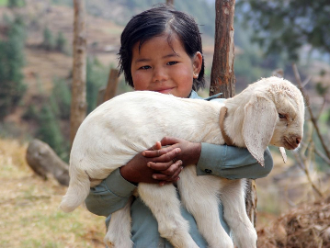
15	3
61	43
61	99
12	87
50	132
49	41
97	76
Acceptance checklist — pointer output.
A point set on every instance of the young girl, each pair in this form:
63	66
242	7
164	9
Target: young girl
161	50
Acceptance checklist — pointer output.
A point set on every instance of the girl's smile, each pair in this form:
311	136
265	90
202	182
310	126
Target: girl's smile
163	65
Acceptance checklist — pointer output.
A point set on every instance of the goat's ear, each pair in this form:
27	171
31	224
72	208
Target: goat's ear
258	125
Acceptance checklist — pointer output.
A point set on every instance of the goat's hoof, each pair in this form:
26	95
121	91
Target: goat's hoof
224	242
248	240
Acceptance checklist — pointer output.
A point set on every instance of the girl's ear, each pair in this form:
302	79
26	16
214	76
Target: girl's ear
197	64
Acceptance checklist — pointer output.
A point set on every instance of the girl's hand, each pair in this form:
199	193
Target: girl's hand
138	170
189	155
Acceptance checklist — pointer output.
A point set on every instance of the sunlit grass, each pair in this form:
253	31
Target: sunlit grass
30	216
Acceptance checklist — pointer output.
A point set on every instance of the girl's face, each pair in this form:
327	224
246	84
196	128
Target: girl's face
157	66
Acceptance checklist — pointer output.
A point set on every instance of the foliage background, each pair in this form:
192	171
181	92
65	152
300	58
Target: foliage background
35	81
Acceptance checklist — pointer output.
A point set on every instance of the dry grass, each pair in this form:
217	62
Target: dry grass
29	215
307	226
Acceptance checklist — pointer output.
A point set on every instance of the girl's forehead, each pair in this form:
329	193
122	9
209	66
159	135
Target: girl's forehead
163	40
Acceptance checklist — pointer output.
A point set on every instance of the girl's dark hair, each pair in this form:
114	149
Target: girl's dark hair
154	22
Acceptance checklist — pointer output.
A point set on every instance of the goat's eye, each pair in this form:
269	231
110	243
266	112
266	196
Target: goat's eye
282	116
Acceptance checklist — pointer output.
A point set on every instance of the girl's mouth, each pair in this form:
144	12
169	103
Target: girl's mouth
164	91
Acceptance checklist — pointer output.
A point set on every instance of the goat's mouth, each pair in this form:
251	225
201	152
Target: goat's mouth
290	143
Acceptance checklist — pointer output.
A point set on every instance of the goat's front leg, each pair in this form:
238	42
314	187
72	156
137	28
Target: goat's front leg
200	197
119	230
233	200
165	206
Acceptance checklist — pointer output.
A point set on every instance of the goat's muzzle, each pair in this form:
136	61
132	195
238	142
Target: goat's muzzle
292	142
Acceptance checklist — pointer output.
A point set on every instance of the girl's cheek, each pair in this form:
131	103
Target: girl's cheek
184	72
139	81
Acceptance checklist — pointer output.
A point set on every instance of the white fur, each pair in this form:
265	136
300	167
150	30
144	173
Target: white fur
130	123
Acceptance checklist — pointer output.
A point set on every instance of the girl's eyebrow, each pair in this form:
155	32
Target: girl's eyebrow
171	55
164	57
142	60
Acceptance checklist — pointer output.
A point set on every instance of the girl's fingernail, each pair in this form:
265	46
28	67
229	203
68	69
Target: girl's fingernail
154	177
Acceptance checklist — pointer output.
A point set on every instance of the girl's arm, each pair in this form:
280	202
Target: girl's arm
232	162
114	191
110	195
164	167
219	160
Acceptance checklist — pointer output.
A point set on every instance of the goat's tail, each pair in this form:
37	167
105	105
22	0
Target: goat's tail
77	192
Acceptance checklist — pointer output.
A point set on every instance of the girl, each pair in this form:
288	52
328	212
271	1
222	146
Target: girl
161	50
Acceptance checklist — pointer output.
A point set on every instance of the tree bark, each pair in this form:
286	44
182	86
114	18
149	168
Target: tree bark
110	90
251	200
223	77
78	102
222	74
44	161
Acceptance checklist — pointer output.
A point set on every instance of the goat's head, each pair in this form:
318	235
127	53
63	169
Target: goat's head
273	115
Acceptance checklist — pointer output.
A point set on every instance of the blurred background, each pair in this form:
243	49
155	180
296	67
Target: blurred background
35	94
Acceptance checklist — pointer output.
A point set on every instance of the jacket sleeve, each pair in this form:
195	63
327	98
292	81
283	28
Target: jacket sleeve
232	162
110	195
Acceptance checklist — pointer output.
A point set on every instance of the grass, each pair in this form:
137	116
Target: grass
29	215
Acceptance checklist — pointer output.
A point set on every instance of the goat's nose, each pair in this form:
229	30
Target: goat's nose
298	139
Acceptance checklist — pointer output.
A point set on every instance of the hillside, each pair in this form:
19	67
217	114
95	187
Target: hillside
102	42
42	66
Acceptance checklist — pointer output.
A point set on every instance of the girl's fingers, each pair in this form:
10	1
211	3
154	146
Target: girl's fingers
169	141
156	146
152	152
164	155
169	174
168	168
162	183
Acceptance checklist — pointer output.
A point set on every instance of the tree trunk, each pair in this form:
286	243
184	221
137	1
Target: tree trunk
110	90
78	102
223	78
44	161
222	74
251	200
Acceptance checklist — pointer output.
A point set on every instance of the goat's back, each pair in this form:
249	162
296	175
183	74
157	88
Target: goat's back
130	123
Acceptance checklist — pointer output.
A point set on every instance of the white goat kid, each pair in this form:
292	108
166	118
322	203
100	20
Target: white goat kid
270	111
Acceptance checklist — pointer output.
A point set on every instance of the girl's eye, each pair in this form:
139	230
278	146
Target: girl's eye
172	62
282	116
145	67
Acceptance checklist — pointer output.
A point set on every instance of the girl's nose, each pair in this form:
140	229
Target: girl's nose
160	75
